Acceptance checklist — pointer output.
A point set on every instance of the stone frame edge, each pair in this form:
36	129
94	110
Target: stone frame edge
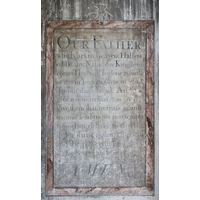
143	191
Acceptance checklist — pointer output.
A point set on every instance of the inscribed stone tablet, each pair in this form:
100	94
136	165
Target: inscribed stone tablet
99	107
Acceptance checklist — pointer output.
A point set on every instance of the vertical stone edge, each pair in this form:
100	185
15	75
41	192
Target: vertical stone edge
49	108
156	94
150	108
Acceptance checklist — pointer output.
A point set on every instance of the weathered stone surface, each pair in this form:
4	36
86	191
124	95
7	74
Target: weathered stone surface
78	10
99	108
65	135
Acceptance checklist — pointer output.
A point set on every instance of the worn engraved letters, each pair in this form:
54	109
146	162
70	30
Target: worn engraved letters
99	108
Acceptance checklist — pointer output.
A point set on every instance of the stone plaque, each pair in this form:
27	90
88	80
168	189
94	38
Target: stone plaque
100	108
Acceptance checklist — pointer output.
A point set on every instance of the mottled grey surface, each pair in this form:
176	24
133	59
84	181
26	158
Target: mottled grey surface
120	10
99	108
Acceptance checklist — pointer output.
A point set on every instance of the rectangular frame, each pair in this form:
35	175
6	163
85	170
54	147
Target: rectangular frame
137	191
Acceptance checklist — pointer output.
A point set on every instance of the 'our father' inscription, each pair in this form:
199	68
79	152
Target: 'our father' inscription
99	108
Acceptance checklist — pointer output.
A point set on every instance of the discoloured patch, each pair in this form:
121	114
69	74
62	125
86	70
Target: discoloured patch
49	165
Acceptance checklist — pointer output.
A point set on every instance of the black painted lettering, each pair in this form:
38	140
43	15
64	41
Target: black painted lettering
58	41
137	45
129	44
93	173
75	173
105	169
85	43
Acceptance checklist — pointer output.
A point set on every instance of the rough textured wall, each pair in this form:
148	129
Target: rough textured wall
77	10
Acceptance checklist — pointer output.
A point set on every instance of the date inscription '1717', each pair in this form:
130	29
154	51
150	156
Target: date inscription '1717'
99	107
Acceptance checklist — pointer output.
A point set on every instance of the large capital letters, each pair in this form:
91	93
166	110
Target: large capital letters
105	169
137	45
58	41
93	173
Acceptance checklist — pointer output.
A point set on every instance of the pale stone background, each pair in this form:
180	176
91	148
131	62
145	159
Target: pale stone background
128	149
120	10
